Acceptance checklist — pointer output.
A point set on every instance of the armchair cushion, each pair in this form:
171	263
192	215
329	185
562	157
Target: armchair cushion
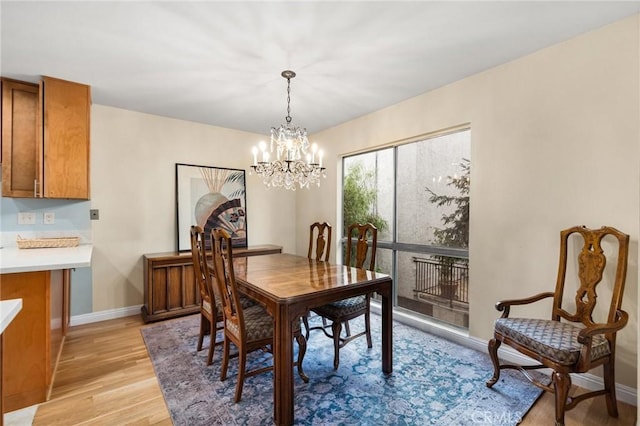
555	340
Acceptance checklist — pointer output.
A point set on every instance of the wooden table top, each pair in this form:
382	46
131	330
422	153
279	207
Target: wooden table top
287	276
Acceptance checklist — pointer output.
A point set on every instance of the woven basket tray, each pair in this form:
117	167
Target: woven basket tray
27	243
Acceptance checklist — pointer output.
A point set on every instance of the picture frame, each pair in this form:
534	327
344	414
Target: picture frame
211	197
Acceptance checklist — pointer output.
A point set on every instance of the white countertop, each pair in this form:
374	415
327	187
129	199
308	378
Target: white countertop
8	311
13	259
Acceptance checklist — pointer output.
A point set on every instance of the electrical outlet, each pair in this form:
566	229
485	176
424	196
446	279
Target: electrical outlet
26	218
49	218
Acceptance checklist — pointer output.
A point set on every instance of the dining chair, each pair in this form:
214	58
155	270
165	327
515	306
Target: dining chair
249	329
211	316
571	342
320	240
320	234
340	312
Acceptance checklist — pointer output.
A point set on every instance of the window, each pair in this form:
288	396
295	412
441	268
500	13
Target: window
417	194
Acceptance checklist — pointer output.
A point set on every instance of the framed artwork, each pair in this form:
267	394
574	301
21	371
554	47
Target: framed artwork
211	197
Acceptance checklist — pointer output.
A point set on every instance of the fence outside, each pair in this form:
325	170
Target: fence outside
446	281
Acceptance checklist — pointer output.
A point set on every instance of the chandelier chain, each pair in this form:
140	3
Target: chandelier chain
288	118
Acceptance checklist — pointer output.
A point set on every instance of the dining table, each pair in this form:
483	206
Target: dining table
289	286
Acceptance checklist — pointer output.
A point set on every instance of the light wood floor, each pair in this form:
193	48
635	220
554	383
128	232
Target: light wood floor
105	377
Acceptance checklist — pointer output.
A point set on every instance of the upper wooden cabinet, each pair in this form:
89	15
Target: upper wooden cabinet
45	149
66	110
19	138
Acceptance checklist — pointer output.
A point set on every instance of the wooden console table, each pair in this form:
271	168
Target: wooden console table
170	289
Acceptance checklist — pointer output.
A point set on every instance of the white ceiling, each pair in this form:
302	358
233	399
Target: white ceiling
220	62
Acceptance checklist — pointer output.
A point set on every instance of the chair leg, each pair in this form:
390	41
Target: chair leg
203	320
494	344
610	387
212	343
302	349
347	330
242	361
367	328
336	328
561	384
305	321
225	359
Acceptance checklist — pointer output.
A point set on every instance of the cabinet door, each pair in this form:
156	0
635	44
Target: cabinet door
19	138
66	114
26	348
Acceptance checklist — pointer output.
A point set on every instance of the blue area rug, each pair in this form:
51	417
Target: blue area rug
434	382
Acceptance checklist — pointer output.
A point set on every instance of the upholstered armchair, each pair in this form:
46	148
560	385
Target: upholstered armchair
570	342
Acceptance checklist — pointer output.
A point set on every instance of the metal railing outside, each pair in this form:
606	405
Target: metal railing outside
448	280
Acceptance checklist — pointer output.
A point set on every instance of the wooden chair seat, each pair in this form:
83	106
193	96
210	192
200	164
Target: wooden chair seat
557	341
257	322
244	301
343	308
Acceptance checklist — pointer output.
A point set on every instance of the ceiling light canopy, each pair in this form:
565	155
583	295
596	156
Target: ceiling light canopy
294	164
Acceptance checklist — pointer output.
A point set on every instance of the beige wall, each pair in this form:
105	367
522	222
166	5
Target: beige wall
133	185
555	143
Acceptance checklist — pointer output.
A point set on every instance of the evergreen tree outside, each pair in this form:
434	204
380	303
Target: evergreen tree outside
455	233
456	230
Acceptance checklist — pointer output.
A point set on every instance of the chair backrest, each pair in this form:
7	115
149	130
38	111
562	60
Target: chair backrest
200	268
321	234
367	238
591	264
226	280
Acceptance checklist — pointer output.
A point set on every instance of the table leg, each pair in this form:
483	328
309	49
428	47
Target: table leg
283	367
387	330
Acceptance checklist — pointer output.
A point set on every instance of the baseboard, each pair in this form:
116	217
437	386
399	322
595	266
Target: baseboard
587	381
104	315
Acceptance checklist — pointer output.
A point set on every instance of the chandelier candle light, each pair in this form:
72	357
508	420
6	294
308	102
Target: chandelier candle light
293	164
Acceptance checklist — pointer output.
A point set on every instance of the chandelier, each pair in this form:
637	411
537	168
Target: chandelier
294	164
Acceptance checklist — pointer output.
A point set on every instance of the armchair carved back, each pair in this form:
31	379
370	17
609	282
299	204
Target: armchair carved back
591	266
